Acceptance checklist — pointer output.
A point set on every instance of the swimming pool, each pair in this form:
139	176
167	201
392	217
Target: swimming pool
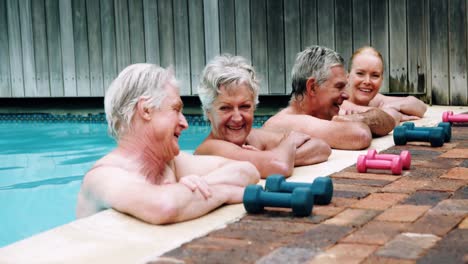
42	164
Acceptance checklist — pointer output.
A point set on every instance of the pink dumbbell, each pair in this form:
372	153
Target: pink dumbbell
394	165
405	157
448	116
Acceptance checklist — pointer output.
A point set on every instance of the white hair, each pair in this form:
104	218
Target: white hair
133	82
228	71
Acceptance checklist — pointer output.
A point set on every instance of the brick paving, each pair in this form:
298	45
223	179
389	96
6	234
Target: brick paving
418	217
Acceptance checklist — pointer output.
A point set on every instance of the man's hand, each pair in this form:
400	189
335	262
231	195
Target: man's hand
298	138
195	182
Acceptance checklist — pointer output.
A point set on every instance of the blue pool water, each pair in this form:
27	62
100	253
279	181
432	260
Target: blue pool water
41	168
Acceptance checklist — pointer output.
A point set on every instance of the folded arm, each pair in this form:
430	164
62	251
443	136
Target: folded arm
338	135
216	170
409	106
156	204
379	122
277	160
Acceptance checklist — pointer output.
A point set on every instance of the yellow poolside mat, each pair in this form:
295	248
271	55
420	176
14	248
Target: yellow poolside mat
112	237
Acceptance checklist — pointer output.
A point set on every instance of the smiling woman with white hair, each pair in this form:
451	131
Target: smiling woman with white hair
229	91
147	176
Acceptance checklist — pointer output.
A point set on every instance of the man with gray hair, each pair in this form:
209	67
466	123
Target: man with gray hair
318	89
146	176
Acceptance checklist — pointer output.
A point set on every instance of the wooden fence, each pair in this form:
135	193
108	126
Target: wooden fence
74	48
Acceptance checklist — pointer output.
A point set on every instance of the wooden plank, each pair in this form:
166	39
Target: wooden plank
243	38
398	47
344	29
109	50
275	38
326	23
81	48
439	52
137	34
227	26
197	42
458	52
27	45
54	47
166	33
182	48
292	35
40	48
380	35
5	82
68	47
95	52
416	46
151	25
259	42
122	34
212	38
309	35
361	23
14	44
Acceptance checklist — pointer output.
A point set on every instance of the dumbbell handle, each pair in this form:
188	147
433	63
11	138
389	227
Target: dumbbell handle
458	118
406	160
417	134
290	186
275	199
378	164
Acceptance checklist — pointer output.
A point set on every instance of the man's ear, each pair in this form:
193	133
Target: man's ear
311	86
142	108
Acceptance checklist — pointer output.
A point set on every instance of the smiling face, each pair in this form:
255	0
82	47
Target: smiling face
330	94
168	122
231	115
365	78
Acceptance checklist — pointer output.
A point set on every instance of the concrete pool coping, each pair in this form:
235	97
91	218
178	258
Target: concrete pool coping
113	237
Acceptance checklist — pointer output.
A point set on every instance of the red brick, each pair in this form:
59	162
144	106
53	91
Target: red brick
383	260
345	253
403	213
376	232
327	210
343	202
352	217
456	154
451	207
458	173
408	246
367	176
437	163
405	185
464	224
443	185
355	188
436	224
379	201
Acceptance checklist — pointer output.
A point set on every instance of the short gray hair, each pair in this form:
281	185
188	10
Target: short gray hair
133	82
225	70
313	62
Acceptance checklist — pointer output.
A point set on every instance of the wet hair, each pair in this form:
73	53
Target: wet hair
313	62
366	49
228	71
132	83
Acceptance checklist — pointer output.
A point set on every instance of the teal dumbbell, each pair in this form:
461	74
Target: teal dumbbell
401	135
301	200
321	188
444	125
